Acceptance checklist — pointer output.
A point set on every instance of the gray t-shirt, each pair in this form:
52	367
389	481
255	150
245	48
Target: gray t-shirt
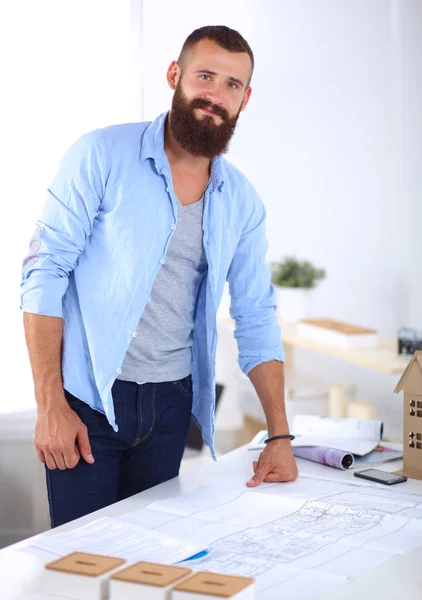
161	349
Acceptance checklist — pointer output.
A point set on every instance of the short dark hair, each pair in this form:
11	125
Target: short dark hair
227	38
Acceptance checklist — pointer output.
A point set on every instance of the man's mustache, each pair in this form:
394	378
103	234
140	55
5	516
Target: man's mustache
218	110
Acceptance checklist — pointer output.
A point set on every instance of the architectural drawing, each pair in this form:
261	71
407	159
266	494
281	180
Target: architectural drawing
344	530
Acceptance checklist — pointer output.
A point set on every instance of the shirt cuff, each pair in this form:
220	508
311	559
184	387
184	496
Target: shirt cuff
255	357
44	297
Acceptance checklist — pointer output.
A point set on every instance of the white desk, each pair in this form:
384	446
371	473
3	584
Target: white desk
399	579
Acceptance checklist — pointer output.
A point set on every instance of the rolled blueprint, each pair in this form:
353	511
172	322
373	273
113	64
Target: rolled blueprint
349	429
325	456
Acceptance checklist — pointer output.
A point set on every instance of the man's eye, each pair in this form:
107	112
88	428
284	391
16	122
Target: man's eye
234	86
203	76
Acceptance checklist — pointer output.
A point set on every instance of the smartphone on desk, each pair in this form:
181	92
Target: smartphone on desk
380	476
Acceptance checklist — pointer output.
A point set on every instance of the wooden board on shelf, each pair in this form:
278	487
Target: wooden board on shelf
337	333
338	326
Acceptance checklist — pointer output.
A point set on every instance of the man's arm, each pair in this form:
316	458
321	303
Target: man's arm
58	426
73	201
268	381
71	207
276	462
258	335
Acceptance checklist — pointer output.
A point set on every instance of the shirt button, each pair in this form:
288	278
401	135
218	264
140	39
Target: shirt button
134	334
118	371
149	299
173	226
162	261
167	190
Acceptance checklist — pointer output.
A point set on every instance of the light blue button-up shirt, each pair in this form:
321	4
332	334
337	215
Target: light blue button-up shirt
101	240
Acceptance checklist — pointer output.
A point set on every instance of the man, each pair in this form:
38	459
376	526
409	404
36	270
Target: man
142	226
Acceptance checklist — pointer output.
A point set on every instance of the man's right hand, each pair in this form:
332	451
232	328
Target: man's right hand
61	438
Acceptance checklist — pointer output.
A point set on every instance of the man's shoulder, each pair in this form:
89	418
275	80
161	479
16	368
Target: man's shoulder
109	137
106	144
123	132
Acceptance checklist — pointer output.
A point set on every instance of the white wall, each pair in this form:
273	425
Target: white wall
407	35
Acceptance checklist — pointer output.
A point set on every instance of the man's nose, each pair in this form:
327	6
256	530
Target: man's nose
214	95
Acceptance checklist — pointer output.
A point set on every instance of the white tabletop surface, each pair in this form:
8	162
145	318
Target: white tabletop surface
399	579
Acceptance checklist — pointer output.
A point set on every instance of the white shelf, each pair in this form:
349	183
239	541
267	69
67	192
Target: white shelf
383	358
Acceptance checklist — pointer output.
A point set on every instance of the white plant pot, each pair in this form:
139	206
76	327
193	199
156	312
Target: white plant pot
293	304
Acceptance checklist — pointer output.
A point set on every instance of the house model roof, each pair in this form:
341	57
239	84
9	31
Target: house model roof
415	363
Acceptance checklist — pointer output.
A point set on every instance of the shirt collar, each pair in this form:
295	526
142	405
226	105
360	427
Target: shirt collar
152	146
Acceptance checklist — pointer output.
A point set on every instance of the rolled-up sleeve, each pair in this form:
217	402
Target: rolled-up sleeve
253	305
73	201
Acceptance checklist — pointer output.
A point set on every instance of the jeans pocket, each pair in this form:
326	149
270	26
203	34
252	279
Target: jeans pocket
185	386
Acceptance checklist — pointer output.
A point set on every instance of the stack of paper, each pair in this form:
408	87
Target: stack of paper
118	538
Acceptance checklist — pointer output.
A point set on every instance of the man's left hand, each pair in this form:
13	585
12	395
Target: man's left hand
276	463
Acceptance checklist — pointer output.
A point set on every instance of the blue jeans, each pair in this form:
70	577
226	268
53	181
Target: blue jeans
153	421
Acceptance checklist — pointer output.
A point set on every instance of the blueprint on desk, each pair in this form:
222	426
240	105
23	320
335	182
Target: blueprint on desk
307	535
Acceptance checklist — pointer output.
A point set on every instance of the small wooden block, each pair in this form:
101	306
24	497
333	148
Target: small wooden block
147	580
82	563
147	573
80	576
214	585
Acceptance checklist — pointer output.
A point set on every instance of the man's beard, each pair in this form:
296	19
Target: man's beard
200	137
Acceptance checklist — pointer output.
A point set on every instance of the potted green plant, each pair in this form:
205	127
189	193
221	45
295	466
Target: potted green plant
293	280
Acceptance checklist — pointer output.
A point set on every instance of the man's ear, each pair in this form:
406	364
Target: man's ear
246	98
173	74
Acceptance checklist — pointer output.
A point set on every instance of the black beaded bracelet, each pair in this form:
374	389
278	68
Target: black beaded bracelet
280	437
